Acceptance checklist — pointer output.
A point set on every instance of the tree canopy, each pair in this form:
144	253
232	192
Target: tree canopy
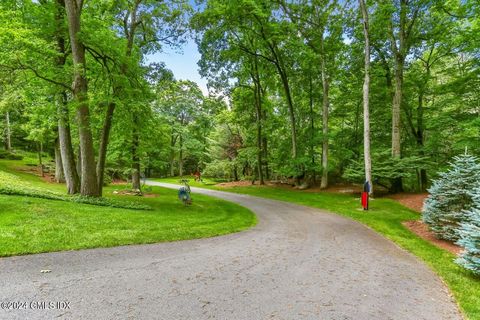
312	91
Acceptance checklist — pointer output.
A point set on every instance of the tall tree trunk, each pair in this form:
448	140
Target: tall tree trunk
259	137
400	49
70	172
397	183
291	111
66	150
40	162
8	132
79	162
59	172
135	157
325	106
235	173
282	71
118	90
258	118
102	150
265	156
420	138
366	96
173	141
180	156
89	183
312	130
130	26
396	109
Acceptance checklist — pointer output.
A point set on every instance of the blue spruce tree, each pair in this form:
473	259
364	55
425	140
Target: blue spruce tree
450	195
469	233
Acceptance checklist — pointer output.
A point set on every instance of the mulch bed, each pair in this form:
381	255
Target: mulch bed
421	230
118	182
244	183
413	201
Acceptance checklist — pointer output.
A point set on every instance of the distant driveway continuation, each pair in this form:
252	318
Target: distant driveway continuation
297	263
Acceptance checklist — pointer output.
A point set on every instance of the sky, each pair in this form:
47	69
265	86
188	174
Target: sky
183	64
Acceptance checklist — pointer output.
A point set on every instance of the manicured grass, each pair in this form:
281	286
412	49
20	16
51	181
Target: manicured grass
385	217
19	167
33	225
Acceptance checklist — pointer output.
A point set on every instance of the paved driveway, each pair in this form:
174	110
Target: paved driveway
297	263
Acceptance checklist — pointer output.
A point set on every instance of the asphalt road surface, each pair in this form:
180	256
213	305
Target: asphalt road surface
297	263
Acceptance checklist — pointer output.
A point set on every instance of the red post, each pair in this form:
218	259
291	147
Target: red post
365	200
366	191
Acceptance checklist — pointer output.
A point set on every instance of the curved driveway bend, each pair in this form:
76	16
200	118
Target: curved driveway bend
297	263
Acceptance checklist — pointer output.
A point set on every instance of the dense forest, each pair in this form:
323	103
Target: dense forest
313	92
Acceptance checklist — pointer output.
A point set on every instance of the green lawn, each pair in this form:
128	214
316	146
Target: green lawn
385	216
33	225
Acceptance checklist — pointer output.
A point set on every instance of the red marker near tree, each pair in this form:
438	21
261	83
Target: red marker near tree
366	191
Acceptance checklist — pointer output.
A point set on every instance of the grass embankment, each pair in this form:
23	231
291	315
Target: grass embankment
33	225
385	217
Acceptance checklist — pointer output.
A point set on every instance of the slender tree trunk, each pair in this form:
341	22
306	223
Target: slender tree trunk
325	106
235	173
130	35
312	131
265	145
259	139
180	157
356	135
282	71
397	184
135	158
366	95
396	110
59	172
117	91
400	51
79	162
265	156
66	150
89	182
291	111
258	118
279	64
70	172
102	151
173	141
420	139
40	162
8	132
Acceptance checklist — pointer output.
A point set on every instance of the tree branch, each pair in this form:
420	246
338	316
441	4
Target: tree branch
37	74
